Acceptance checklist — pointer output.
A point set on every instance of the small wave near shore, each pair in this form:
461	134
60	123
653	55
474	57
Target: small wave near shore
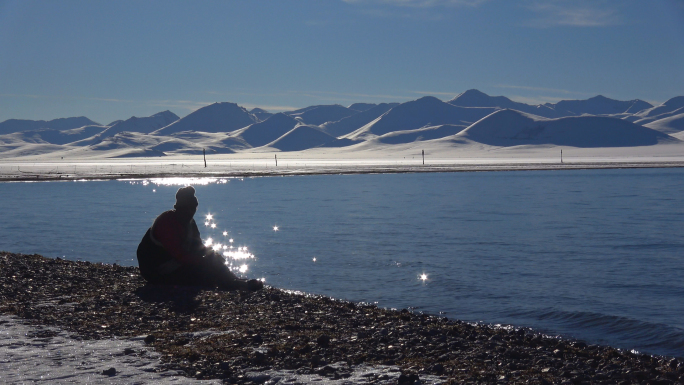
652	336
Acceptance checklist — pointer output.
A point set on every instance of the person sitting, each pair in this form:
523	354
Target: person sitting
172	251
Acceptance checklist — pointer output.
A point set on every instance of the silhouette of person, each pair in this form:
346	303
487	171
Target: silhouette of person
172	251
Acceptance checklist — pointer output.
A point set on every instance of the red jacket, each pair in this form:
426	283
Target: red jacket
183	242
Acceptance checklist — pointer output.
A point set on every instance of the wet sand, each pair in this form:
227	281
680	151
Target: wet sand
234	336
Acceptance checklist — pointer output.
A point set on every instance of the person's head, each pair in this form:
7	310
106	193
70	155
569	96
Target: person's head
186	202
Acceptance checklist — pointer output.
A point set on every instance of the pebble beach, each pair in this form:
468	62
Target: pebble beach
243	337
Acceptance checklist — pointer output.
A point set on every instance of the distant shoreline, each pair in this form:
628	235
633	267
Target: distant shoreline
29	176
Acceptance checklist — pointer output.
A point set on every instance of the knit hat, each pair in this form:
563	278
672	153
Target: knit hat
186	197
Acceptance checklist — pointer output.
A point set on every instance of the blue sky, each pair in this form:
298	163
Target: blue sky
112	60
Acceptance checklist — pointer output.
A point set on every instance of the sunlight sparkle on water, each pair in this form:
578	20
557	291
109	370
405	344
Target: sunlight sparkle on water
230	254
241	254
314	259
275	228
423	277
186	181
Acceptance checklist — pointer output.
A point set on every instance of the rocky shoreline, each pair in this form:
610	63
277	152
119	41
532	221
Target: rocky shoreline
210	334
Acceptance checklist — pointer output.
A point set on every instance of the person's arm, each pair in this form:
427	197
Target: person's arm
196	244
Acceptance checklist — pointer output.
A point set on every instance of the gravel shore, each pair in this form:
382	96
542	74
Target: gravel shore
211	334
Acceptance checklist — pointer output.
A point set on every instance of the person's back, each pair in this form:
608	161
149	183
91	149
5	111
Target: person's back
172	251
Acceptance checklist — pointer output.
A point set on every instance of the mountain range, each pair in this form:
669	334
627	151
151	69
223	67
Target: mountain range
472	117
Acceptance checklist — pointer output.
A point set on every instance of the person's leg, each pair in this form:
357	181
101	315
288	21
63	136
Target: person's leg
220	273
211	272
225	279
185	275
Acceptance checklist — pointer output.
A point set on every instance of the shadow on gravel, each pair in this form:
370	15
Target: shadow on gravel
183	299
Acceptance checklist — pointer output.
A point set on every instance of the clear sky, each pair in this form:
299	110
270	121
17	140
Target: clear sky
111	60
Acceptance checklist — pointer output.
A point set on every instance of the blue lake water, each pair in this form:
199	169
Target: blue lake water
596	255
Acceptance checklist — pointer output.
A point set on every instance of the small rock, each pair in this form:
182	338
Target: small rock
326	370
109	372
257	378
580	345
408	379
323	340
258	358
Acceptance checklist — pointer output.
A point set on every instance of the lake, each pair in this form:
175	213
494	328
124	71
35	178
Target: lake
591	254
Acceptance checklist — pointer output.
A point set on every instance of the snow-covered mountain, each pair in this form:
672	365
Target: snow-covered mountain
302	137
471	118
262	133
476	98
144	125
426	133
424	112
52	136
124	140
318	115
260	114
671	105
356	121
361	106
514	128
670	125
16	125
598	105
217	117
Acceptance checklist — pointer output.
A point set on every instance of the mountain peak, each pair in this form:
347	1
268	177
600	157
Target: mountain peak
216	117
428	99
477	98
167	114
473	92
361	106
677	101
